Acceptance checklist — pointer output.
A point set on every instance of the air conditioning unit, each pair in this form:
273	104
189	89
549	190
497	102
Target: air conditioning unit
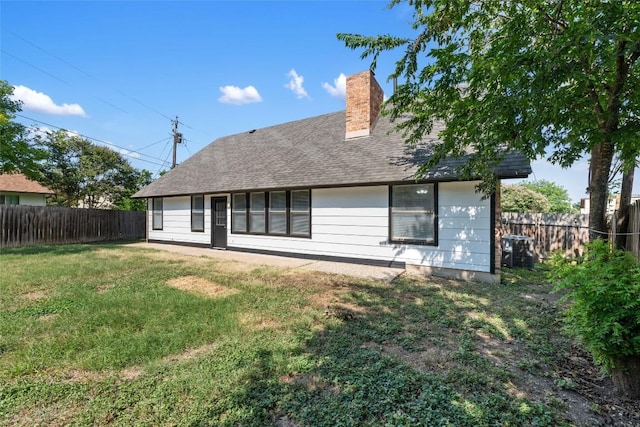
517	251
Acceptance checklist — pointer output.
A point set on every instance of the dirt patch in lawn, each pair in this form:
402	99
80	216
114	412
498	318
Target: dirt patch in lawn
48	317
34	296
255	322
200	286
53	415
190	353
133	372
156	255
83	377
432	359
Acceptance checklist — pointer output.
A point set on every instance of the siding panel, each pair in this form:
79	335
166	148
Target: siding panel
353	223
176	221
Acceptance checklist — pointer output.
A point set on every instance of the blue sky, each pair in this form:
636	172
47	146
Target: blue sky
119	72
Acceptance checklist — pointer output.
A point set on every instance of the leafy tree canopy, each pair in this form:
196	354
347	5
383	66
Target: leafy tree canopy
556	195
84	174
539	77
517	198
16	152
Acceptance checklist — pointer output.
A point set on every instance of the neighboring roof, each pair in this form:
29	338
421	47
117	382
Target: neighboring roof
310	153
18	183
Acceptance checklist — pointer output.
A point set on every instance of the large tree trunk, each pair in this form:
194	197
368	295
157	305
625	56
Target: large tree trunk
626	376
622	223
601	158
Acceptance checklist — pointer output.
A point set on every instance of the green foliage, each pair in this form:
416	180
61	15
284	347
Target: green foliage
556	195
603	294
538	77
82	173
517	198
16	152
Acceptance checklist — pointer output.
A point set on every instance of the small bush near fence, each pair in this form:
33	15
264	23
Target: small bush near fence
47	225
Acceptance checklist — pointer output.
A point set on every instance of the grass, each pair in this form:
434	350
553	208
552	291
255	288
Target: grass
109	334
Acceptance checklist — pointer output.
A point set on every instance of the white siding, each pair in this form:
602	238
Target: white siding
176	221
353	223
32	199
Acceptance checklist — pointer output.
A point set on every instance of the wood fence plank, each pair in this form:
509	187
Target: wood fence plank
37	225
551	232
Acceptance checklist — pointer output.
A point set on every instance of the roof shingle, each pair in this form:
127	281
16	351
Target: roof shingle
310	153
18	183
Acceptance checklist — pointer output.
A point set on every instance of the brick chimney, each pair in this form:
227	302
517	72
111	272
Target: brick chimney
364	97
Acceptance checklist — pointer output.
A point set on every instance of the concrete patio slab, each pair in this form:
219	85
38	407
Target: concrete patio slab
386	274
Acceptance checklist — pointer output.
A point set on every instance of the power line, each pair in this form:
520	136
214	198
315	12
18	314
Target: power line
165	161
81	71
37	68
51	54
164	148
96	79
104	142
152	144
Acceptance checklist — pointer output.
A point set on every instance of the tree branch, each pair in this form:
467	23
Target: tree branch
633	58
613	104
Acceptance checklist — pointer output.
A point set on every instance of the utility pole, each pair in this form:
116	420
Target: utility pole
177	139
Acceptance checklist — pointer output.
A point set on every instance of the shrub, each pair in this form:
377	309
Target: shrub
516	198
603	295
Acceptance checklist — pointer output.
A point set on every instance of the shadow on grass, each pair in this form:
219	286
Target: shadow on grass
376	366
64	249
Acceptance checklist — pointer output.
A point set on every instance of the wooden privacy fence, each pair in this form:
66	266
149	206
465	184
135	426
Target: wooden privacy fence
551	232
46	225
633	229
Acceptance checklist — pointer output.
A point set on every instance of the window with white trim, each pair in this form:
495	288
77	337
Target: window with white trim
156	219
197	212
413	214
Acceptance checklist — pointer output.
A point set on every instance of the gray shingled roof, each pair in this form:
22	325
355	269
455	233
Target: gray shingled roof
308	153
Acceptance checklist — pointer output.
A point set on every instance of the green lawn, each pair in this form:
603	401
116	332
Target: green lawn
109	334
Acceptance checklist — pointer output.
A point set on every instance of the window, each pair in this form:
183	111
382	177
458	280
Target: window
197	213
301	212
257	213
412	213
9	200
157	213
239	213
278	212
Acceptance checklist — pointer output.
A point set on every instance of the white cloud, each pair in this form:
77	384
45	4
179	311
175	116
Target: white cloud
235	95
339	87
295	84
42	103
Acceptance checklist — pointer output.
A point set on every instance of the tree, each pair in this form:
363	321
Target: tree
540	77
546	78
557	196
16	153
82	173
517	198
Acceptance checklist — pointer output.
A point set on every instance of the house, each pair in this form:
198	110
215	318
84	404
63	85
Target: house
338	187
612	206
17	189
